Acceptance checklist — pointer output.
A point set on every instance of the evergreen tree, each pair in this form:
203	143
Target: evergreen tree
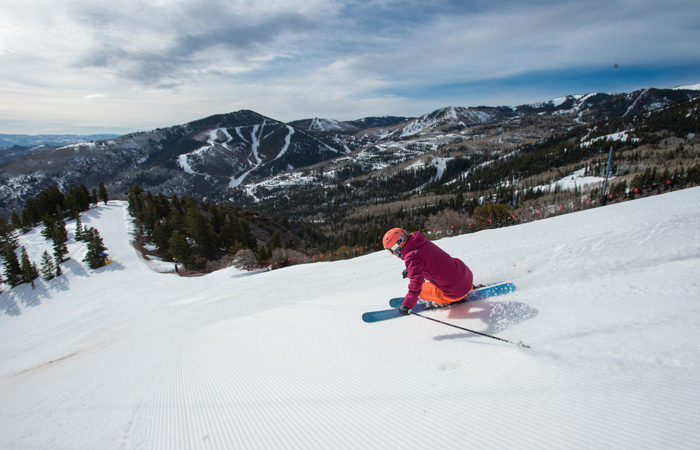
71	203
200	230
248	237
275	240
59	237
83	196
16	221
96	255
49	224
49	201
7	235
231	233
29	270
78	229
48	268
179	249
13	269
30	215
103	195
135	199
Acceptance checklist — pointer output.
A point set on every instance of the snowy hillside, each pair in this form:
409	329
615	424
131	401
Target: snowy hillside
127	358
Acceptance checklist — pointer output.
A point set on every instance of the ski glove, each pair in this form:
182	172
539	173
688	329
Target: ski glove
405	273
404	311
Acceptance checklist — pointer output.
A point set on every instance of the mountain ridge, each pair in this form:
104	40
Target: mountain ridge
226	156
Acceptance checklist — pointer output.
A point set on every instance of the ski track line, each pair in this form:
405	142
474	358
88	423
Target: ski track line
130	411
202	406
239	389
219	385
274	384
260	382
366	392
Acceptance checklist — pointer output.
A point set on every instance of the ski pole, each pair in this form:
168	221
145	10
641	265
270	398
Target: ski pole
519	344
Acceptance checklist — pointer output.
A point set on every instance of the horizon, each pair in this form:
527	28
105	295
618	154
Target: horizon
116	132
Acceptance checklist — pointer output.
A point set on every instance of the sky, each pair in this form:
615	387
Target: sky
69	66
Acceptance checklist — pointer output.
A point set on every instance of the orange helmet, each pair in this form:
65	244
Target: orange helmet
395	239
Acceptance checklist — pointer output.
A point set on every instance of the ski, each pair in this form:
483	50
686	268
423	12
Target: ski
386	314
491	290
477	294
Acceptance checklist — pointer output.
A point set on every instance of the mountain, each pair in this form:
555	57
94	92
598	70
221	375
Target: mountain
16	146
246	158
331	126
14	152
124	357
456	149
50	140
219	151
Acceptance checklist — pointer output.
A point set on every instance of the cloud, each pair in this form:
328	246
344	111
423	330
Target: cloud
171	43
336	58
508	42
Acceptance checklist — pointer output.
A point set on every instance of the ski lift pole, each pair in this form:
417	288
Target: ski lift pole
607	172
519	344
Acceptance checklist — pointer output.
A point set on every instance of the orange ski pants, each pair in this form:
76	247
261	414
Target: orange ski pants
431	293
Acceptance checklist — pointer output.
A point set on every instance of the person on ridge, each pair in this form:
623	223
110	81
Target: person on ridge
434	275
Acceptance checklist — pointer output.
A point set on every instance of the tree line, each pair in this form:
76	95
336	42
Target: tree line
194	233
50	208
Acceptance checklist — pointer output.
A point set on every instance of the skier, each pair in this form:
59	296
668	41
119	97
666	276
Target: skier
434	275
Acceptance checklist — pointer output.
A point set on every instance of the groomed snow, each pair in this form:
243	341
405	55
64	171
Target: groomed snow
126	358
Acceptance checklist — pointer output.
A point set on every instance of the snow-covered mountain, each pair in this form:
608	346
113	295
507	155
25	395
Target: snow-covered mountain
126	357
484	135
217	152
331	126
240	155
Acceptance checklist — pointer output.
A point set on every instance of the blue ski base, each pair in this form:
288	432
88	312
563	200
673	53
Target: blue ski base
477	294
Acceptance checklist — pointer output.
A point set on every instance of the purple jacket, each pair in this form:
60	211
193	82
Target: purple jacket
426	261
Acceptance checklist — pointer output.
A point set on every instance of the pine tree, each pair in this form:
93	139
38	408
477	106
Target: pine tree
78	229
59	237
96	255
16	221
7	235
82	195
179	249
29	269
49	224
48	268
103	193
201	232
13	270
71	204
30	215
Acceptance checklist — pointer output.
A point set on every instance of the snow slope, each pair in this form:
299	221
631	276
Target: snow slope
126	358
